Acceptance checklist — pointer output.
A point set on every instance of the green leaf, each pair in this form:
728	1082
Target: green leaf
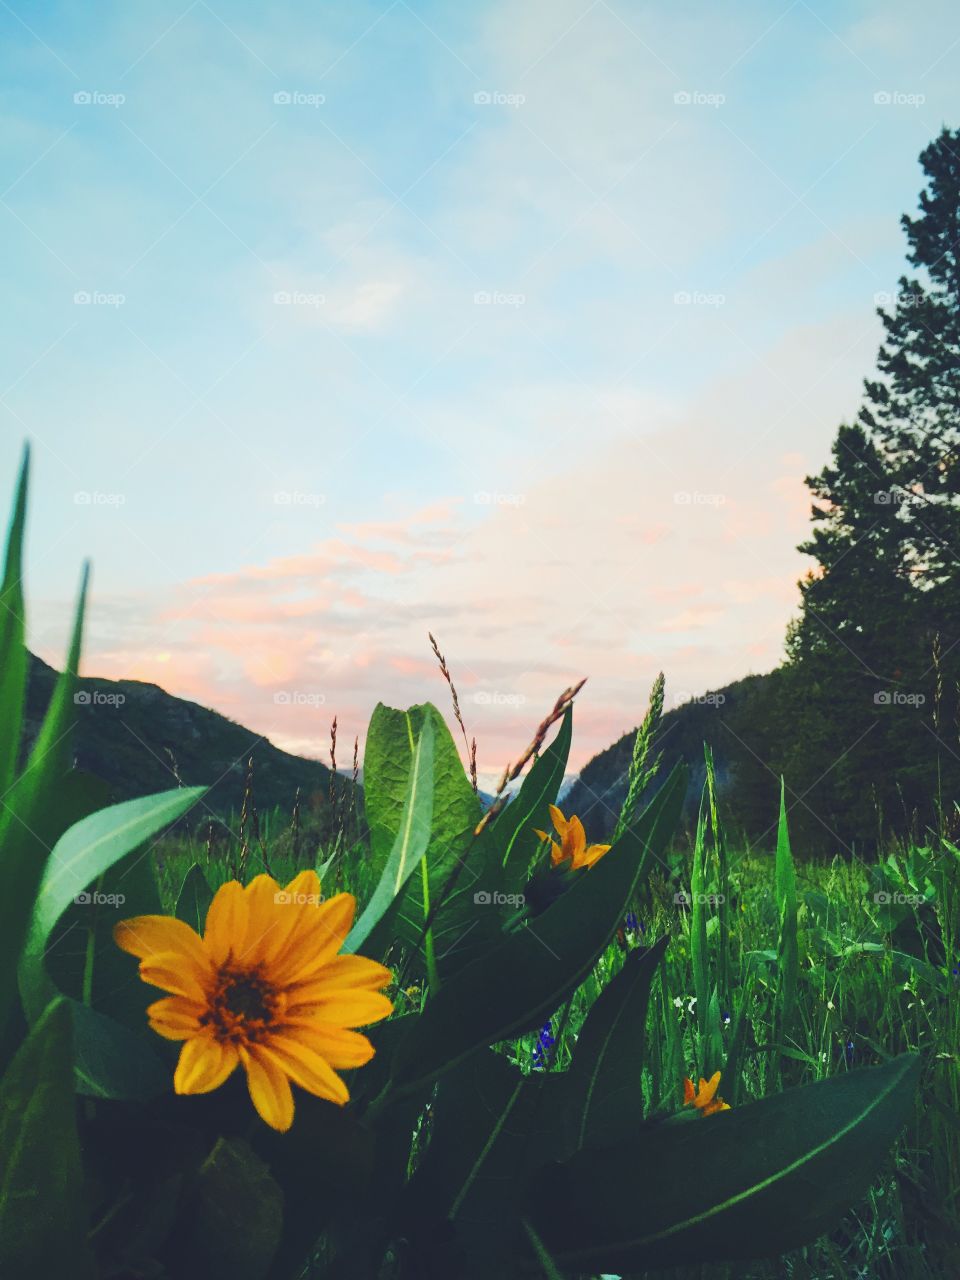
785	886
410	839
112	1061
317	1190
81	856
752	1182
194	898
604	1094
499	861
514	830
524	978
388	762
492	1127
42	1216
29	818
13	652
234	1220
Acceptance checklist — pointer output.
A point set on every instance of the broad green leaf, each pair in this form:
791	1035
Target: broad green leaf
13	652
235	1219
492	1127
524	978
410	841
604	1094
317	1189
751	1182
388	761
112	1061
80	858
42	1218
29	817
194	898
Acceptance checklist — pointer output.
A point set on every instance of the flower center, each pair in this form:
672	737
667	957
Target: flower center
244	1005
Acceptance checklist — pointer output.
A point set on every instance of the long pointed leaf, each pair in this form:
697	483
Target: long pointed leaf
747	1183
13	653
605	1098
28	821
410	843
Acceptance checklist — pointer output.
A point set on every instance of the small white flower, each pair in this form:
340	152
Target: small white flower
677	1002
693	1001
829	1004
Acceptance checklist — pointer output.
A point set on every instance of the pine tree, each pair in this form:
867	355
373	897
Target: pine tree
870	712
913	408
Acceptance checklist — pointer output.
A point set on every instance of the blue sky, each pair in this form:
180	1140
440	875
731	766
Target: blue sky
549	266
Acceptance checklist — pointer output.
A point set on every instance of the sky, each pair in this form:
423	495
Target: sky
518	322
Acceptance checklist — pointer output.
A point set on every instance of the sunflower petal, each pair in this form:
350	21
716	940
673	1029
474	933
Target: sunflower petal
708	1088
557	854
225	930
175	1018
204	1065
146	936
575	839
350	1008
269	1088
306	884
594	853
307	1068
558	820
167	970
319	935
348	971
343	1049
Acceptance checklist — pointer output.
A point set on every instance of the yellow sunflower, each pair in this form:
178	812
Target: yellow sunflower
573	848
705	1098
264	988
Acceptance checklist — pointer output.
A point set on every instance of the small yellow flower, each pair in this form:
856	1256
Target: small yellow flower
265	989
573	849
705	1098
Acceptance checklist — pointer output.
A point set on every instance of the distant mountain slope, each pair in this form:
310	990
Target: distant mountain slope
138	738
721	718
